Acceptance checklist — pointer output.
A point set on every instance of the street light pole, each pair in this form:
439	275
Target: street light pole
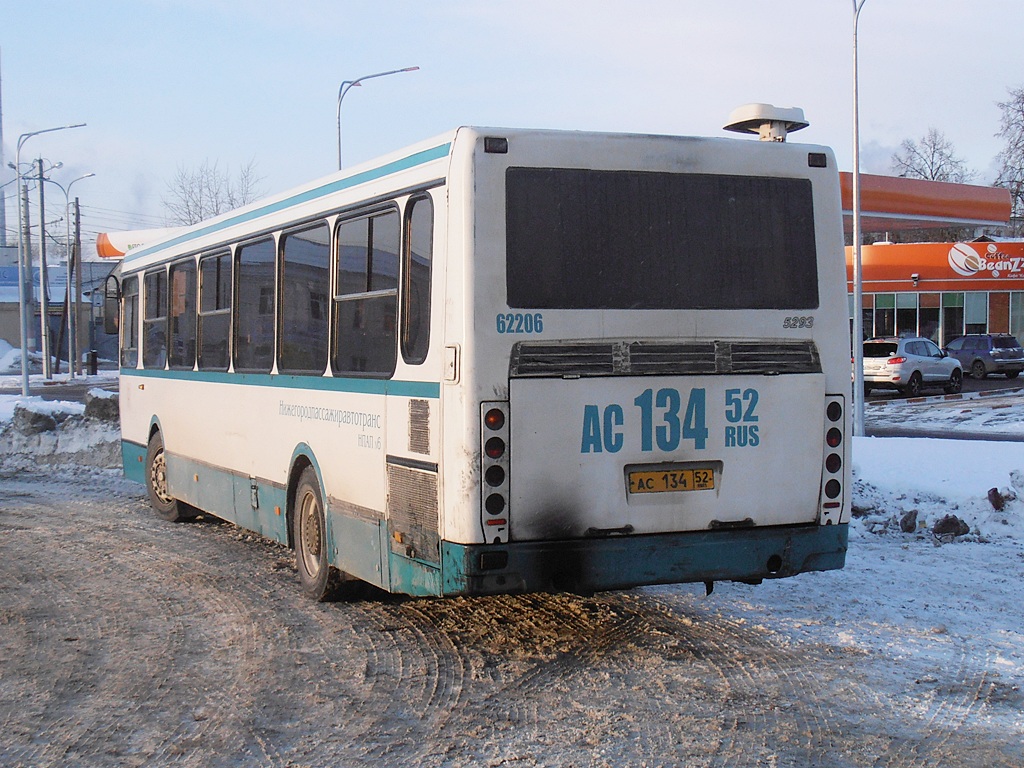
347	85
70	261
44	282
22	298
858	283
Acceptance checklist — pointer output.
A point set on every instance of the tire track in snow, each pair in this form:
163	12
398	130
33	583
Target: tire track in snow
194	649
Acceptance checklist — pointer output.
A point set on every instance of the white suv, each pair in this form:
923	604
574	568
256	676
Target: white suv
908	365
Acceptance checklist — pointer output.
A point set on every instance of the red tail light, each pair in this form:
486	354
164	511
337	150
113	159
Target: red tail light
895	360
495	468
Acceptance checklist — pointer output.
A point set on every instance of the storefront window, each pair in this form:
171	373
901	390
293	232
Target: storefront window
976	312
885	314
928	316
906	314
1017	313
952	316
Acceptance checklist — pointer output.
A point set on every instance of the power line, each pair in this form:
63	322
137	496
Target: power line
126	219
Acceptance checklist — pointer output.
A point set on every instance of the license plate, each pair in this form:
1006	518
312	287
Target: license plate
671	480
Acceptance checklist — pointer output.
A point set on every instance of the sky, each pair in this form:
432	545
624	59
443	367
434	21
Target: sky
165	85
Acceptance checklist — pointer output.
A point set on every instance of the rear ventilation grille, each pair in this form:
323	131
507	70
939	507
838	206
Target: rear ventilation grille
419	426
642	358
413	513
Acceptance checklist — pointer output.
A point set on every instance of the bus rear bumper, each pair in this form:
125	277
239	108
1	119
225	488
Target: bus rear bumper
592	565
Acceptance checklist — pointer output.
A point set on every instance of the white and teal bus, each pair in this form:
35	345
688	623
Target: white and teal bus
509	361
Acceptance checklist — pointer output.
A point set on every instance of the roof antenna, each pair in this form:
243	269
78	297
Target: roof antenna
769	122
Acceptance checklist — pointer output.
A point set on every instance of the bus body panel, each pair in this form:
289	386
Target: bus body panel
591	565
217	465
754	442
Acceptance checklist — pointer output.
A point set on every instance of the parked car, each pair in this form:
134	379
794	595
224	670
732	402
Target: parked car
908	365
983	353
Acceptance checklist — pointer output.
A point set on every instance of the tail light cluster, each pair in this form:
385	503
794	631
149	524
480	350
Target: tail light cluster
833	468
494	471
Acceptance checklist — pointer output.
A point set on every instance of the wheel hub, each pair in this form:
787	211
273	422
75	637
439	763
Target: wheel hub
158	478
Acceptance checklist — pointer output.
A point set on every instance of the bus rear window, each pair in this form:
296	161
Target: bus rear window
586	239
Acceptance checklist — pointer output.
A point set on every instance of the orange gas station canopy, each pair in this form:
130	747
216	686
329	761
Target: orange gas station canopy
892	203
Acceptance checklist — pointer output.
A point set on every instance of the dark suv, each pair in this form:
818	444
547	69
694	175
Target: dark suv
983	353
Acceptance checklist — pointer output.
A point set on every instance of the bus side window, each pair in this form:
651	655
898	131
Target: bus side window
305	286
366	301
130	322
154	324
214	311
254	310
181	308
417	258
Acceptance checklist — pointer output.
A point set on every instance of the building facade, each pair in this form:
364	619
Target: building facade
941	290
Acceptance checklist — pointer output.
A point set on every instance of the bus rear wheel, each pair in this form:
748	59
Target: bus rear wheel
317	578
165	505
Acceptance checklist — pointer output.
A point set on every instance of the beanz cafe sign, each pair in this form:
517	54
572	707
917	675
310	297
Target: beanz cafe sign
985	260
936	267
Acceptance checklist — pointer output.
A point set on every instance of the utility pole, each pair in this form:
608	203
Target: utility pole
77	266
44	284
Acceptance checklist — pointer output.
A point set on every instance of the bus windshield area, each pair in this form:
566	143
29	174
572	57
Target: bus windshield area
594	239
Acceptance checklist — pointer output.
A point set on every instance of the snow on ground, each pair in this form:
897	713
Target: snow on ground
933	608
929	478
994	413
893	476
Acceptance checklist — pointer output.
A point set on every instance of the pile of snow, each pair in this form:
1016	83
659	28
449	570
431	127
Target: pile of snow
894	476
37	432
10	358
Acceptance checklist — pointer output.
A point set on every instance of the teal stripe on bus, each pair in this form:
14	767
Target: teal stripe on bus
425	389
418	158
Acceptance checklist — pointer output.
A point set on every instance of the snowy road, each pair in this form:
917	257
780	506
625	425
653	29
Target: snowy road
127	641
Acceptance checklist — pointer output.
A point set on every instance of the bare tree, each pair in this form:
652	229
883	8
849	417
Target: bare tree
932	158
195	195
1011	158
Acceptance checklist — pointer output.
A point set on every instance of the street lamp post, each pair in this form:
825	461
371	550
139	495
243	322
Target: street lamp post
69	262
347	85
22	293
44	282
858	283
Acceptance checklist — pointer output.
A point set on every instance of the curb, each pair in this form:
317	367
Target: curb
946	398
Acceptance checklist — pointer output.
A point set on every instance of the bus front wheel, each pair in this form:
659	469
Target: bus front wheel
319	581
165	505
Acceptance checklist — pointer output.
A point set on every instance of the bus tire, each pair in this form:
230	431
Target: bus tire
166	506
318	579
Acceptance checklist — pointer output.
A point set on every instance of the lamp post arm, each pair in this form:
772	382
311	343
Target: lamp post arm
348	85
342	90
